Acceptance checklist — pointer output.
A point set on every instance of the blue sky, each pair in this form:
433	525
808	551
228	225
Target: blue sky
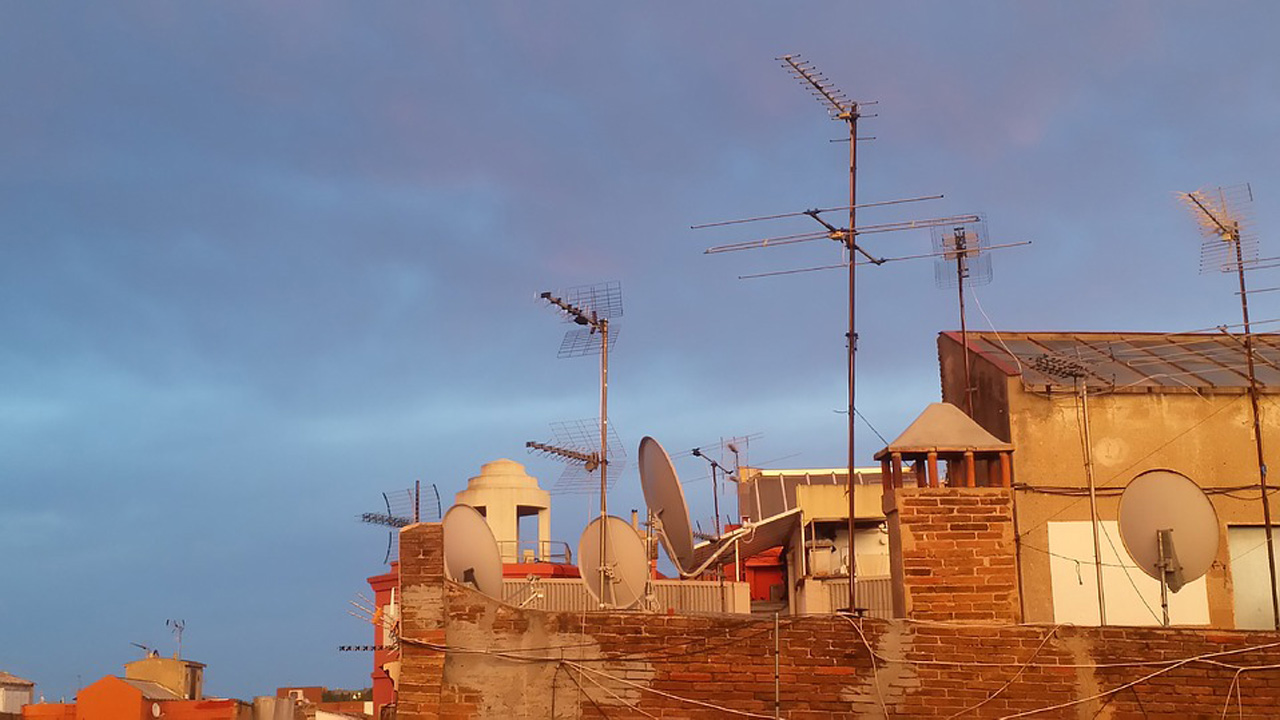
262	262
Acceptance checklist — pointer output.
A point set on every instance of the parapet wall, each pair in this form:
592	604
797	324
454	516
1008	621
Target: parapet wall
469	656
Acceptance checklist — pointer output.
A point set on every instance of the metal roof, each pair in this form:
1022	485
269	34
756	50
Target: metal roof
753	538
1138	362
152	690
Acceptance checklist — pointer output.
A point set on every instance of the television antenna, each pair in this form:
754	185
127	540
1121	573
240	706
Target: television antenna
591	307
1230	246
840	108
177	626
715	486
471	555
964	245
1157	509
1061	366
403	508
577	444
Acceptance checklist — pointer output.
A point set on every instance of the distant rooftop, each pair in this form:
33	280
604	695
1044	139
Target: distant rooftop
11	679
1140	362
153	691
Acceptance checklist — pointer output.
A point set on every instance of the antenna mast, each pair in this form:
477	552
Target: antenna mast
1221	223
841	108
1064	367
177	626
591	307
965	244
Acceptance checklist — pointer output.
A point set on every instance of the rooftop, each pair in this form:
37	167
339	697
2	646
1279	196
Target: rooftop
1135	362
11	679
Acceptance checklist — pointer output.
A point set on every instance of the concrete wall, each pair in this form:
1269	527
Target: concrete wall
183	677
469	656
1206	436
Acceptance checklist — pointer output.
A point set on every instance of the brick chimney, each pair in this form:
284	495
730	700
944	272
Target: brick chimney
953	556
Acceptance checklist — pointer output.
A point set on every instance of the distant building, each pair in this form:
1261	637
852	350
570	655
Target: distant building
182	677
117	698
1149	401
14	692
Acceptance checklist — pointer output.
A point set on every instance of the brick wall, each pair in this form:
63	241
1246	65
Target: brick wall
953	554
422	618
505	662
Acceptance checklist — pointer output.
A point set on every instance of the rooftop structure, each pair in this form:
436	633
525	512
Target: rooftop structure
1098	409
504	493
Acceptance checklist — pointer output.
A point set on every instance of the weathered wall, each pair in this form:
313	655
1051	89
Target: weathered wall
1206	436
469	656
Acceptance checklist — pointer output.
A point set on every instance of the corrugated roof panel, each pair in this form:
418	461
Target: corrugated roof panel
1139	360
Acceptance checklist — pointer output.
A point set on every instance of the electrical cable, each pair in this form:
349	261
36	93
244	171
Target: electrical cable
1021	669
875	673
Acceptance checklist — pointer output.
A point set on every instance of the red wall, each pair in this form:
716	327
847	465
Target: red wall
49	711
111	699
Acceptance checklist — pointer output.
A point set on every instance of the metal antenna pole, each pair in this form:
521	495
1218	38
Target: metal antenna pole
604	461
1083	388
1257	425
961	271
1221	223
850	116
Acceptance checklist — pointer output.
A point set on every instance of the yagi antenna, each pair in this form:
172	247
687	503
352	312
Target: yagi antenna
1230	246
592	307
578	447
403	508
840	107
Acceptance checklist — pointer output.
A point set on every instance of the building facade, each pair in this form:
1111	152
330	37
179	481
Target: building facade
1111	406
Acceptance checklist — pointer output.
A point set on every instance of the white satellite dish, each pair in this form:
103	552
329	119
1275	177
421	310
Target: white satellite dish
1169	527
471	554
665	498
619	581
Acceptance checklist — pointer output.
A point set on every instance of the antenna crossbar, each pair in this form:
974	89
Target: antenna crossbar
840	233
590	460
842	208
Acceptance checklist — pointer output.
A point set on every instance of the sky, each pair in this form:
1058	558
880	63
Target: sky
263	262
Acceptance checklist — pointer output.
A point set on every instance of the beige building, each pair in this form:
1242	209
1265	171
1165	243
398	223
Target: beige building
504	493
1146	401
184	678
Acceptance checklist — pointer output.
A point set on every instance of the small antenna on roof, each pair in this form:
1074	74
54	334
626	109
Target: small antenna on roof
1064	367
964	245
403	508
1230	246
177	626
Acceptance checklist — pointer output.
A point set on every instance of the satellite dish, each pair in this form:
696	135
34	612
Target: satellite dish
1164	514
471	554
665	498
625	568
